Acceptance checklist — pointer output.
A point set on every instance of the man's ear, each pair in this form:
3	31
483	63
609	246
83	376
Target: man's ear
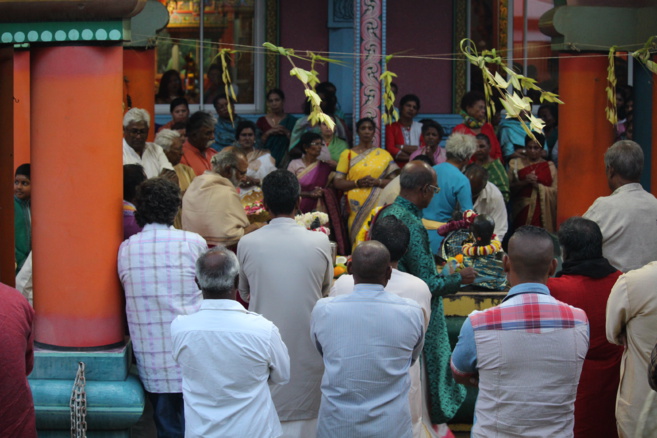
388	273
553	268
506	263
349	267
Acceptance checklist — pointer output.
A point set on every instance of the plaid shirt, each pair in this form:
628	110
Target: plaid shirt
528	352
157	270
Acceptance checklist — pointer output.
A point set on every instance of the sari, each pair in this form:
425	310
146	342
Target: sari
498	176
315	175
374	162
277	144
534	205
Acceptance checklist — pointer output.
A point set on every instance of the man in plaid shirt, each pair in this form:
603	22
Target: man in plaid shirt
157	270
526	354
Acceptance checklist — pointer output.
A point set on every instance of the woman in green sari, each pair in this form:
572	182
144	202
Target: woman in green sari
276	126
362	173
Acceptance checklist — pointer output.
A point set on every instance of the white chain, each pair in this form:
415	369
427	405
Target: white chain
79	405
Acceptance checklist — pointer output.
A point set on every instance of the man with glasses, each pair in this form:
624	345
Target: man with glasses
418	186
211	204
136	150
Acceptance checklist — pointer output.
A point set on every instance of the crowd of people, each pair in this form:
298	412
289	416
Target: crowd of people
239	328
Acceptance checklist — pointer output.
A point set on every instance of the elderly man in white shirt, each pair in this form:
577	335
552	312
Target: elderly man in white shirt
395	236
369	339
488	199
627	216
136	150
228	357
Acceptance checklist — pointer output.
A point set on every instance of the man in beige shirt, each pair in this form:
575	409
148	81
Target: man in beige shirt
628	217
631	321
211	205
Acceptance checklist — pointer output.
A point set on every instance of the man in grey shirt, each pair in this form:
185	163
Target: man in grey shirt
628	217
368	340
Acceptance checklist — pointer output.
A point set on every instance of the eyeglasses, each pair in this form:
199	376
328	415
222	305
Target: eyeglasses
435	189
138	131
317	143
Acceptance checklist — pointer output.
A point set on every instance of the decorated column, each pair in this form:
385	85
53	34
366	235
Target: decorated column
75	90
369	40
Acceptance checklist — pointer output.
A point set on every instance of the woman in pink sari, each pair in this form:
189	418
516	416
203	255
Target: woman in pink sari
533	183
312	173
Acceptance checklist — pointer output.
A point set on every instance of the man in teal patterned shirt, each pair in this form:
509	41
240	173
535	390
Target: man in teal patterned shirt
418	185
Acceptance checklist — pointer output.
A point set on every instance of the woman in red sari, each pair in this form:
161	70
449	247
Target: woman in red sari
585	282
533	184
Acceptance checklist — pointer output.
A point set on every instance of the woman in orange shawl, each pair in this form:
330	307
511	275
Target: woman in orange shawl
533	183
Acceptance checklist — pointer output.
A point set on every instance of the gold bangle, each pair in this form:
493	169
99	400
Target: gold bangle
356	182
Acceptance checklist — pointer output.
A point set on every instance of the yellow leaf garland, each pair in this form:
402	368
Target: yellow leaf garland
610	111
309	79
391	114
516	104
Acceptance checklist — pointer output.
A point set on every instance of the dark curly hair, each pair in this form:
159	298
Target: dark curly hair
157	201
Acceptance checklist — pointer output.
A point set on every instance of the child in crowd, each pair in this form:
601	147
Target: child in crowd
22	215
485	254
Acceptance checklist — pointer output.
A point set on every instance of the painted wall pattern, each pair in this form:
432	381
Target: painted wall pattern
371	29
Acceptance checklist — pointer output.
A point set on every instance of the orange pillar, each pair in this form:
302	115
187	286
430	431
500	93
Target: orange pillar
584	133
7	107
21	107
76	194
139	73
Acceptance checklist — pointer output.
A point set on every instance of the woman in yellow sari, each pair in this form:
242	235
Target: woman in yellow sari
361	173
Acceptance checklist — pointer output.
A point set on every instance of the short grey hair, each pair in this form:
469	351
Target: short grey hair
217	277
165	139
626	158
136	115
226	158
460	146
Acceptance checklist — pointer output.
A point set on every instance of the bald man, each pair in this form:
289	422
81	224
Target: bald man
526	354
366	357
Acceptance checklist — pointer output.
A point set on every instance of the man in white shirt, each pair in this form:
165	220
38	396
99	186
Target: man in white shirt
395	236
136	150
488	199
368	339
284	270
228	356
628	217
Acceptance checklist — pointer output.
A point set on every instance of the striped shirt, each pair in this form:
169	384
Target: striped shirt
157	270
528	353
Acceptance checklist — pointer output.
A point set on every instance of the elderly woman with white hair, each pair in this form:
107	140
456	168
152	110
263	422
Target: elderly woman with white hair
136	150
453	193
171	143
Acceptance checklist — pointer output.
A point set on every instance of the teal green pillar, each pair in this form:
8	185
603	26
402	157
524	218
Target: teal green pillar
642	121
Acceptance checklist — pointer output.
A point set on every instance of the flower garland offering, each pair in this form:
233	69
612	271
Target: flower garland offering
314	221
468	217
256	212
472	250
